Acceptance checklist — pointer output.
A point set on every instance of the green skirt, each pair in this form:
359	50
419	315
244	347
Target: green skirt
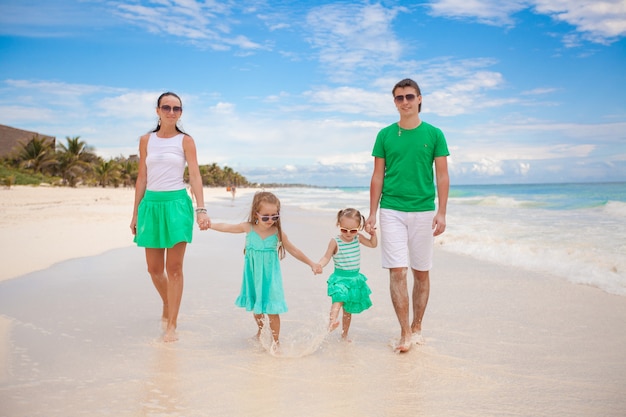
164	218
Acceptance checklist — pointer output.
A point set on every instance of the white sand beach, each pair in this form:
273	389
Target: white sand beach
80	329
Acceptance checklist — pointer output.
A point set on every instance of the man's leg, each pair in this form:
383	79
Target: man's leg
421	291
400	300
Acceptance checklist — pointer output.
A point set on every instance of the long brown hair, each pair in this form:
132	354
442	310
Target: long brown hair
269	198
167	93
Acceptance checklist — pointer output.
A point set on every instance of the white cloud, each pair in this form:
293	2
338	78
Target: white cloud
491	12
353	39
487	166
600	21
205	24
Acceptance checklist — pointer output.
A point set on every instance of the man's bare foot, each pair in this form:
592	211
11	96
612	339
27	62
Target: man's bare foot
333	326
403	346
417	338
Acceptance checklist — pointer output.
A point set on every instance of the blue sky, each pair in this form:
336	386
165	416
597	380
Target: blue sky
525	91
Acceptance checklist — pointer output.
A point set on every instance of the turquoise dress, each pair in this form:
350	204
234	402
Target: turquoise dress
347	284
262	287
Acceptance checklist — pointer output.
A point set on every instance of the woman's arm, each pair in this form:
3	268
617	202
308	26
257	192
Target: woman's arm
141	182
195	181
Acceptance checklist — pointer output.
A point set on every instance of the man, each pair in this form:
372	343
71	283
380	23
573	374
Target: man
403	184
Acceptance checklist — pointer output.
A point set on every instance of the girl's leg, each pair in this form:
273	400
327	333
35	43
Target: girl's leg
174	268
333	323
155	258
275	326
347	319
258	318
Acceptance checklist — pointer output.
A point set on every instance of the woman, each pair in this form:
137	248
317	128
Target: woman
163	213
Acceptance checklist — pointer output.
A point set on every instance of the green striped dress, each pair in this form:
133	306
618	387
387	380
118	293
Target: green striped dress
347	284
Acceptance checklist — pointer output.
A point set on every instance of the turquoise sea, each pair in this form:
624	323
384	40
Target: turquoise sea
574	231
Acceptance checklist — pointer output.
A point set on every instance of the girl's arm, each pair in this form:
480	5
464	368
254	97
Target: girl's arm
299	255
330	251
231	228
370	242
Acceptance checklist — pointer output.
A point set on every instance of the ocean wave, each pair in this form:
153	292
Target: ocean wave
496	201
615	208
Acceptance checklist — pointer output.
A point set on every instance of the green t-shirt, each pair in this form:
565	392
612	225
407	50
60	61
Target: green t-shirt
409	156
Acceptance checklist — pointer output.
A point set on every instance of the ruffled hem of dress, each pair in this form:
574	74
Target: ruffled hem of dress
275	307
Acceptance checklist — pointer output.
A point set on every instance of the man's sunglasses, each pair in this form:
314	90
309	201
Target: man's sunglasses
167	108
409	98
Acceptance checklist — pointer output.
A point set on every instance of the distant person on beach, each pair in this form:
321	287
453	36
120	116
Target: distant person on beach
347	286
233	191
404	186
163	212
266	243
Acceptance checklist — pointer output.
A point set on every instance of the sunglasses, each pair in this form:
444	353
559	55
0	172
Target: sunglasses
351	231
409	98
167	108
273	217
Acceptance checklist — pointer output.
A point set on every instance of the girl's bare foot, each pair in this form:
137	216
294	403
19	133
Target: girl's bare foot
332	326
275	348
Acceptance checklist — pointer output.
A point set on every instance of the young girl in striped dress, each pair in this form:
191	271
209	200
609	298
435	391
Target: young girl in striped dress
347	286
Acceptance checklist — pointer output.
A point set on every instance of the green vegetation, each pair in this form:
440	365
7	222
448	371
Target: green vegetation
74	163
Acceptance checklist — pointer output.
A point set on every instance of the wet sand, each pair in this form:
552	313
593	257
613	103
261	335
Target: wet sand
80	335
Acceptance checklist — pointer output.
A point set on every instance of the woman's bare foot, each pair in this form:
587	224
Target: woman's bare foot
332	326
170	336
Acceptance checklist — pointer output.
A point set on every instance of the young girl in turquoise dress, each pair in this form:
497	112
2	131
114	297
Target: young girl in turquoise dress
347	286
266	243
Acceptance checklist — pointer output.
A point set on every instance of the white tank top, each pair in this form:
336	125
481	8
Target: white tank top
165	163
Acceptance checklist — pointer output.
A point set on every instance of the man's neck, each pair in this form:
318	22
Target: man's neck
410	122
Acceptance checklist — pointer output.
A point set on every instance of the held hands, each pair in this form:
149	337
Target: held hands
316	268
370	229
204	222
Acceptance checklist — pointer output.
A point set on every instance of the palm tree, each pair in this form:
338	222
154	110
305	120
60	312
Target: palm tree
37	154
74	160
108	172
128	171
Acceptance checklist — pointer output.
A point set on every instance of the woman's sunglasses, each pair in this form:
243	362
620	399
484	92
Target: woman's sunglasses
273	217
351	231
167	108
409	98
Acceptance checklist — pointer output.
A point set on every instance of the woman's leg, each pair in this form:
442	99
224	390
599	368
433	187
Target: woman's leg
174	268
155	258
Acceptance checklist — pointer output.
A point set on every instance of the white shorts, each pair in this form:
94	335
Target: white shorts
407	236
